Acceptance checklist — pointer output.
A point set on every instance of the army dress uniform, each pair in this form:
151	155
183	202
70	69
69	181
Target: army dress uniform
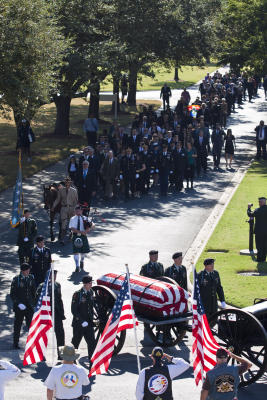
25	242
152	270
40	263
22	292
82	311
178	274
210	287
59	310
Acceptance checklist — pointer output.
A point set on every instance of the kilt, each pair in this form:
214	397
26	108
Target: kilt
85	245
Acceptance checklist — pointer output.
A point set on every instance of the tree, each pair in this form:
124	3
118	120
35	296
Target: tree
31	50
243	32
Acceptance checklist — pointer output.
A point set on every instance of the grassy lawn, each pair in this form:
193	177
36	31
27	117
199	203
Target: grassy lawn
231	234
48	148
187	77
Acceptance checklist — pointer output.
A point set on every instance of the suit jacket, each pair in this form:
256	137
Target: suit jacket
258	130
134	144
202	149
88	183
66	199
109	171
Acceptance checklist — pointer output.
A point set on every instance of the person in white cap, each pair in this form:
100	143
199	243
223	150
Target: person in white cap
67	379
8	372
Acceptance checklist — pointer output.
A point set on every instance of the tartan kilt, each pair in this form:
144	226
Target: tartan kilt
85	247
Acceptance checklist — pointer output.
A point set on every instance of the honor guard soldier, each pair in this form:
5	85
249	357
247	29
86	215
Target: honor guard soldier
59	309
80	227
153	269
155	382
27	233
40	260
82	311
177	271
210	286
222	381
22	293
260	230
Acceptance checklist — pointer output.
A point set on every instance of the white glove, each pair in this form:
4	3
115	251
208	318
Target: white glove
84	324
137	176
121	177
152	171
22	219
157	171
22	307
26	239
223	304
171	172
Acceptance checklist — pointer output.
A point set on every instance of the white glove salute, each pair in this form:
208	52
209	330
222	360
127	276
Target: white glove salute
223	304
137	176
26	239
121	177
22	219
84	324
22	307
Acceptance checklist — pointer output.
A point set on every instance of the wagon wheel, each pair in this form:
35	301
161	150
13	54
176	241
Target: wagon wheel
243	334
104	299
170	334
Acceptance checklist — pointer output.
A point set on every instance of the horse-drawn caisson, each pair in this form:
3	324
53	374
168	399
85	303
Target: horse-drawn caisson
162	306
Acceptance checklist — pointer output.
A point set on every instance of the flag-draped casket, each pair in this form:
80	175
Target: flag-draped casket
150	297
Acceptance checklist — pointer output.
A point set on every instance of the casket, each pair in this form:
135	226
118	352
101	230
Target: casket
151	297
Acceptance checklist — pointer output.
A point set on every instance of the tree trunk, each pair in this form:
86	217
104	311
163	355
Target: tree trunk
62	125
176	77
116	89
131	100
94	101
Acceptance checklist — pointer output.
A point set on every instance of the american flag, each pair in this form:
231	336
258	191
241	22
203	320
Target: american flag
121	318
40	325
204	345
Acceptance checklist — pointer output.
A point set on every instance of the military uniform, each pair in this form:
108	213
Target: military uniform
260	230
40	263
22	292
152	270
210	287
177	273
25	241
68	198
82	311
59	310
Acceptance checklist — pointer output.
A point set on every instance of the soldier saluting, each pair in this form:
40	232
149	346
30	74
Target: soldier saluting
153	269
177	271
260	215
27	232
210	287
22	293
40	261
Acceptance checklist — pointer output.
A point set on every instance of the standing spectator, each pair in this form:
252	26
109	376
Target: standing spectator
140	175
185	96
229	147
68	378
179	165
201	144
26	235
73	169
261	137
265	86
165	94
224	112
86	184
22	293
25	138
260	230
8	372
250	87
40	260
128	172
217	139
191	156
110	170
164	169
90	127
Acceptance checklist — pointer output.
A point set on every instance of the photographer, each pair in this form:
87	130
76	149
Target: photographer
260	230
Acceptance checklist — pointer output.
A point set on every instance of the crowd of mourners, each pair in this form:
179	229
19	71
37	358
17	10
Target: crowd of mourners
165	149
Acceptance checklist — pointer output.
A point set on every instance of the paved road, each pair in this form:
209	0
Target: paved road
130	230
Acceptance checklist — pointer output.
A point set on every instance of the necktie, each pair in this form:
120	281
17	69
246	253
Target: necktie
78	225
84	173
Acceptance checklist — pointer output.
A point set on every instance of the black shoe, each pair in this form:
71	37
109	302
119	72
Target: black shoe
77	270
16	346
81	264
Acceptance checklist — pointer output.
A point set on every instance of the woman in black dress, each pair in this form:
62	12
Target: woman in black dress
229	147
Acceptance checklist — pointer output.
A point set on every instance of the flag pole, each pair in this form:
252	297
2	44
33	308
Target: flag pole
134	318
53	312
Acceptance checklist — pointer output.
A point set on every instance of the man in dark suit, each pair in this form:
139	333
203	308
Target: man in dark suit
134	141
261	138
86	184
128	172
217	139
165	94
260	230
201	145
164	169
110	170
178	165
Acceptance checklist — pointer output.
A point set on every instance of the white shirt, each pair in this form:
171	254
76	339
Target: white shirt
177	367
74	222
67	381
8	372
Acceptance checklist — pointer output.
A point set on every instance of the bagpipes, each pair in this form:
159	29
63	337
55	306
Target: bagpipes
89	219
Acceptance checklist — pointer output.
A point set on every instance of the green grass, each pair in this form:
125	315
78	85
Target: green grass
48	148
187	77
231	234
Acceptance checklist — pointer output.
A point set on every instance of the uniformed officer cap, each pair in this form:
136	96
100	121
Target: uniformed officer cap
209	261
153	252
87	279
262	198
177	254
25	266
221	353
157	352
39	239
